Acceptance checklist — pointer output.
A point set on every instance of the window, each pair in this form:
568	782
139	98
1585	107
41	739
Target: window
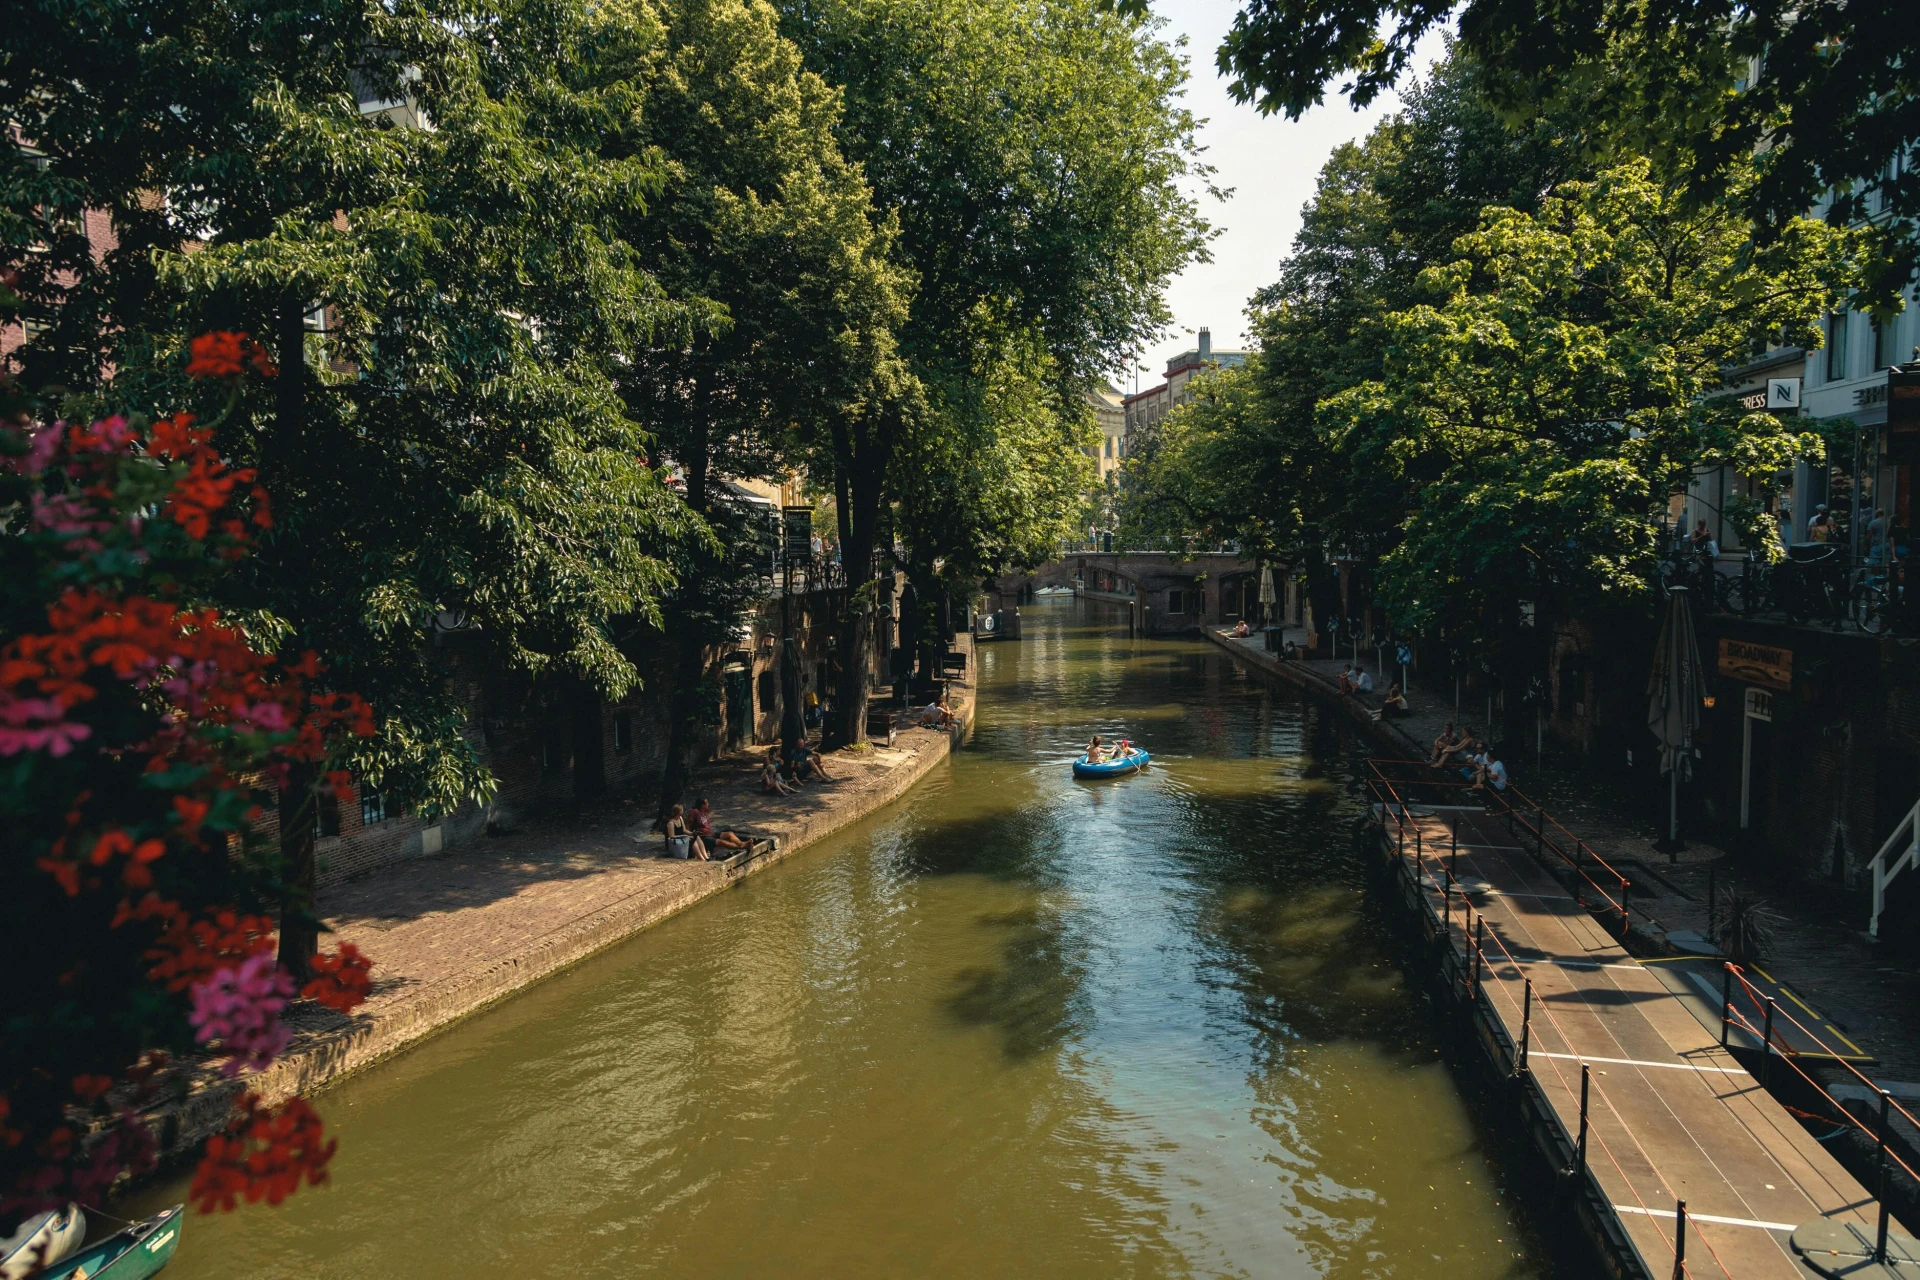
622	733
1837	346
1884	334
373	805
326	814
1176	602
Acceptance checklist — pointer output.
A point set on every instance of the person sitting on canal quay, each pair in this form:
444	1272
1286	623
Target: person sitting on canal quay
771	783
1241	630
1471	757
1348	685
701	820
1449	741
938	715
677	829
1491	774
809	763
1291	653
1394	704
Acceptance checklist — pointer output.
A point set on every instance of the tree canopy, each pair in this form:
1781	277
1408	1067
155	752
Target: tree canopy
1789	105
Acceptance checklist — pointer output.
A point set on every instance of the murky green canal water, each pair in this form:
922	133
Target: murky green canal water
1016	1026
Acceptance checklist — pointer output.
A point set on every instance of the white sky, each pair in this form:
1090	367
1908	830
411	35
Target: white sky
1270	163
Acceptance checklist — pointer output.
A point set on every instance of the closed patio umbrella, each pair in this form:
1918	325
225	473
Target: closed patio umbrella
1267	593
1674	690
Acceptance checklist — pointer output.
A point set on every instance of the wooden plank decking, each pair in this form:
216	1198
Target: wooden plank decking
1672	1115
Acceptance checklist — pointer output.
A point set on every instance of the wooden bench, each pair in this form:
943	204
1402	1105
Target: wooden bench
884	724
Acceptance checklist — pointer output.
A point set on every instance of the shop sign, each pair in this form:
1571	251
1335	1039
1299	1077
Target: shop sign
1759	664
1783	393
1759	705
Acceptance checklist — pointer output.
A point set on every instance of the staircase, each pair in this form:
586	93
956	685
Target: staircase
1902	850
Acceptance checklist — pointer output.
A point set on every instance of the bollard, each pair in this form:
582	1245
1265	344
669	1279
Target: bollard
1766	1049
1526	1025
1626	925
1679	1240
1580	1149
1726	999
1880	1235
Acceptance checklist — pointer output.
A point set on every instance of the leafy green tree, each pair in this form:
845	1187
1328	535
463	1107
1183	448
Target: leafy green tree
1250	463
453	445
762	219
1822	94
1030	206
1562	384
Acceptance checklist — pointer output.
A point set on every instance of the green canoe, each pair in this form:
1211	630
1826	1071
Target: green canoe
132	1254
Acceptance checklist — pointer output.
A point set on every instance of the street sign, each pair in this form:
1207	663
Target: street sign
1757	664
1403	655
1759	705
799	535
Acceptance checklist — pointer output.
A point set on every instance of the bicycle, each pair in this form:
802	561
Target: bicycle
1872	606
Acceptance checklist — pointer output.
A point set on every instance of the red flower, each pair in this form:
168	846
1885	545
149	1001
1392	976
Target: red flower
228	355
264	1154
340	981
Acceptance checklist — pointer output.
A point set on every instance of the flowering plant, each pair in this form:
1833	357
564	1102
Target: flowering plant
141	731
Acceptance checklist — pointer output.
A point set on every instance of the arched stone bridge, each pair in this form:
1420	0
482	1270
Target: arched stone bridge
1169	592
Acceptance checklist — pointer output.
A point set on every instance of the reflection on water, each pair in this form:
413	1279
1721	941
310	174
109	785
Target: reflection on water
1016	1026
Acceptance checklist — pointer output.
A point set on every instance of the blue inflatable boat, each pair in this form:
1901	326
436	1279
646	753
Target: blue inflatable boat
1133	762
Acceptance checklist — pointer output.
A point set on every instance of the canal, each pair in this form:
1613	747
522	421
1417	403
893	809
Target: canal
1013	1026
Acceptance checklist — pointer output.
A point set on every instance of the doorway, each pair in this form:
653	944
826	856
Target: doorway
739	705
589	755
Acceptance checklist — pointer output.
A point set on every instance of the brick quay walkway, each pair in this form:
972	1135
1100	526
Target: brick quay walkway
453	933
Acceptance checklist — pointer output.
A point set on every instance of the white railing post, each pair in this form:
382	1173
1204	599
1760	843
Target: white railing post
1883	874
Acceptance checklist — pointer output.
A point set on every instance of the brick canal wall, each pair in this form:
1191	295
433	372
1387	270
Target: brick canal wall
450	935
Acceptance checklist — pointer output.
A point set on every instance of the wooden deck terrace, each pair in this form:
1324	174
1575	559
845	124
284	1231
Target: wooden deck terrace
1528	939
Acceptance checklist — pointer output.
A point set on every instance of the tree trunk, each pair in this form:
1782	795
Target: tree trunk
299	929
690	646
857	486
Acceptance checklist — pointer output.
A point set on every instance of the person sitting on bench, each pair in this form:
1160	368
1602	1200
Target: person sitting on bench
701	820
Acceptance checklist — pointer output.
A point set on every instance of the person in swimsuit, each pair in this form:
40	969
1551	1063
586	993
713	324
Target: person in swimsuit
1096	754
701	819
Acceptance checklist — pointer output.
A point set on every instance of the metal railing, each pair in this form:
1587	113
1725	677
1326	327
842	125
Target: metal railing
1470	957
1466	945
1523	815
1883	871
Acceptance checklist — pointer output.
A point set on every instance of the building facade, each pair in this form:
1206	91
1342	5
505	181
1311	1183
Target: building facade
1145	408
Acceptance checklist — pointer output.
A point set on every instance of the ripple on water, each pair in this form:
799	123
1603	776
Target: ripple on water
1015	1026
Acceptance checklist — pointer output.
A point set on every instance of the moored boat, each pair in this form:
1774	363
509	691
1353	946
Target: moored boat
42	1240
134	1253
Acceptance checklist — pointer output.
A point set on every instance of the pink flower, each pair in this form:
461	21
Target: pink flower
35	724
41	446
239	1005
